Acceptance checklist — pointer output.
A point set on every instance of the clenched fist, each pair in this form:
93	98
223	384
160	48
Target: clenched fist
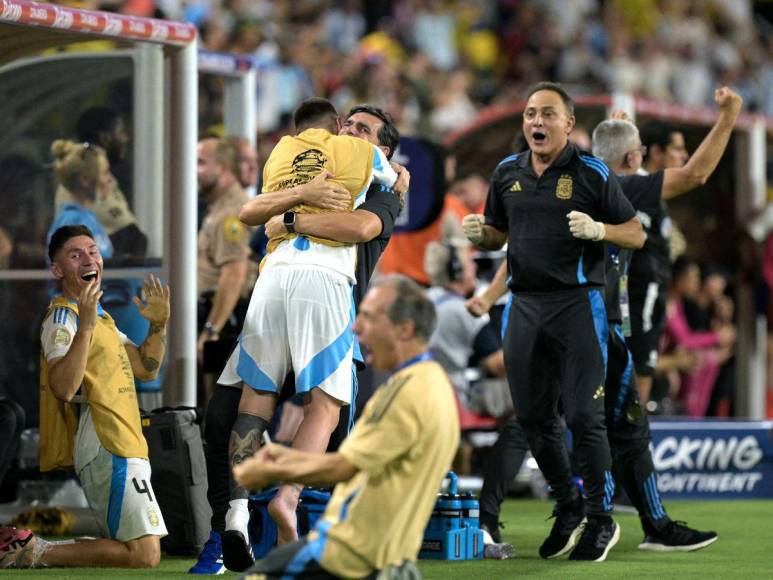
582	226
472	225
726	98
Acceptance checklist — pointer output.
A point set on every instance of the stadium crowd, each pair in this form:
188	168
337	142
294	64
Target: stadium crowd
432	64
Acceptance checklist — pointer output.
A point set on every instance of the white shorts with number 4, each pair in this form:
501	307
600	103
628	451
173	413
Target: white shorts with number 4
120	495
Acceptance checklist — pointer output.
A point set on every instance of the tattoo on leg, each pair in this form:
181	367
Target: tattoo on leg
241	448
245	440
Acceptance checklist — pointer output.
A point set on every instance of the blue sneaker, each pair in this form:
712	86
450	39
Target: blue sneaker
211	557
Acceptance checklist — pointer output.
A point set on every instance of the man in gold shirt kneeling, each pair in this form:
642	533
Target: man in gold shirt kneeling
389	469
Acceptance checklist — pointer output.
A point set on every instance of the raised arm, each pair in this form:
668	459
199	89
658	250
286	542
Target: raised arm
319	192
704	161
147	358
480	305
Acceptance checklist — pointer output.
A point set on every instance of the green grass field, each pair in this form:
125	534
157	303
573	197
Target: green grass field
744	550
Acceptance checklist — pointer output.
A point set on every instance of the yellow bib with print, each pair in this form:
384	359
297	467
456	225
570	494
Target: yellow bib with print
297	160
108	385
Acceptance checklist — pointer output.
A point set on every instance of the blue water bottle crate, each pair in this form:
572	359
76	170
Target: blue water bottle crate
452	532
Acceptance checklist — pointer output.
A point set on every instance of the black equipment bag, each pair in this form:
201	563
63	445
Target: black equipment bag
179	477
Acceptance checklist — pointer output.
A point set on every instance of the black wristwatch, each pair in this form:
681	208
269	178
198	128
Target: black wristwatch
289	221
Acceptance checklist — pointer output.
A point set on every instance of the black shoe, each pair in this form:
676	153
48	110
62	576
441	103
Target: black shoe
237	554
677	537
567	527
598	537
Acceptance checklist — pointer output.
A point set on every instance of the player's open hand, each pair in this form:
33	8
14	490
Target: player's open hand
325	194
726	98
156	307
472	225
87	304
403	179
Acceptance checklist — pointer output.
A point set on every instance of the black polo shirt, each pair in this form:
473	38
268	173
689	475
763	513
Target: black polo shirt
643	191
542	254
385	203
652	263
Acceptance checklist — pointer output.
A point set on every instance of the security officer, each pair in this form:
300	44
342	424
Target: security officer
557	277
224	273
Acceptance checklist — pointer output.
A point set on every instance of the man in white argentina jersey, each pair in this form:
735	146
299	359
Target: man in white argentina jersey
300	313
89	418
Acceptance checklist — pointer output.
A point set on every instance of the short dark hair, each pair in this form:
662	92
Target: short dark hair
314	112
556	88
388	135
94	121
63	234
411	303
656	133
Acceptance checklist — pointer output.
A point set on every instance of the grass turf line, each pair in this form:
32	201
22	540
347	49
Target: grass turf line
743	550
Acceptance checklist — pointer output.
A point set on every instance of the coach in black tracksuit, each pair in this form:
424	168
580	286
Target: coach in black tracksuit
545	203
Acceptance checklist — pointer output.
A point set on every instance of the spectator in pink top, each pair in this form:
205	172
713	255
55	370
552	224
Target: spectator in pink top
697	384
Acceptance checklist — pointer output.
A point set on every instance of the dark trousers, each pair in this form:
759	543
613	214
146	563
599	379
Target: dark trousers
629	435
503	464
629	438
11	427
222	410
555	348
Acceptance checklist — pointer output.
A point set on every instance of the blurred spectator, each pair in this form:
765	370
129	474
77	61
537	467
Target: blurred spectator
713	308
459	338
6	248
83	173
25	228
104	127
11	427
246	161
711	347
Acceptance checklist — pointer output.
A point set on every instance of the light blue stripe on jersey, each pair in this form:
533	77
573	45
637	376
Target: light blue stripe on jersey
625	378
656	509
508	159
250	373
117	489
326	361
580	273
377	165
506	316
600	323
609	491
597	165
353	403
